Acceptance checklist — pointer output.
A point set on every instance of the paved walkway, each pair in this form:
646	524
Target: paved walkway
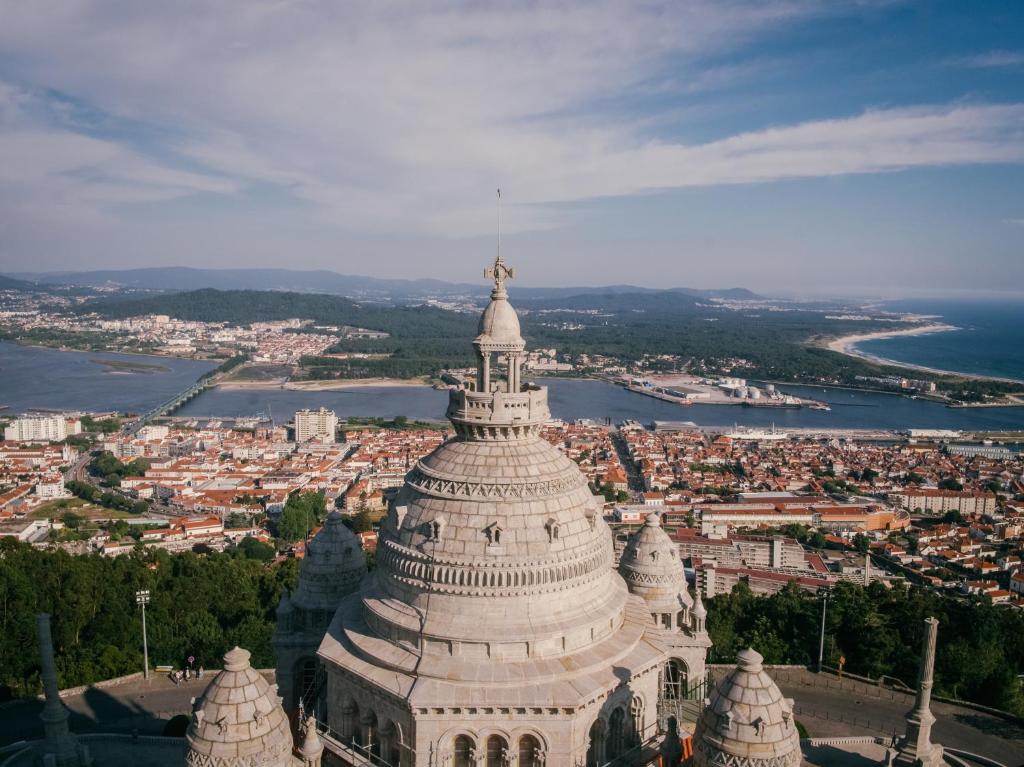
829	707
140	705
825	705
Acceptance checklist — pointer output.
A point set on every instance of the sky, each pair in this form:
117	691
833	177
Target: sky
787	146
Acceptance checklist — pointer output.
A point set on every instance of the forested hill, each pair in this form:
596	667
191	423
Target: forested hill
246	306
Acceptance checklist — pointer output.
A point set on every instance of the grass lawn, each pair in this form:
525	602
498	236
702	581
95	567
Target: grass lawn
56	508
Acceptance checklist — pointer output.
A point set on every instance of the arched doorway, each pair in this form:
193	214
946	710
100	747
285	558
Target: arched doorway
464	752
616	732
371	735
497	752
530	751
390	744
595	747
675	682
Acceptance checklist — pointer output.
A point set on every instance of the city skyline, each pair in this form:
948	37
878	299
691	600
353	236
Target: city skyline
792	147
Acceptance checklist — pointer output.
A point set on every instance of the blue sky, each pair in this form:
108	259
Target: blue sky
794	147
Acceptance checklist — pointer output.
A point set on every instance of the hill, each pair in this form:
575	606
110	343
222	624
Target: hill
179	278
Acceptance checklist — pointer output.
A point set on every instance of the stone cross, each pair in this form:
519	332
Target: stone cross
499	273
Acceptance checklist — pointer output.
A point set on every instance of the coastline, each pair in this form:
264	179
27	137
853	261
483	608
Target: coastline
848	345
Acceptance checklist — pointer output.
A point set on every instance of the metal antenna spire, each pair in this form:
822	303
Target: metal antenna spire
499	223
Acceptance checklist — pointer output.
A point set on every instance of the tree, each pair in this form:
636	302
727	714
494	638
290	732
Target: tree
302	512
251	548
950	483
861	543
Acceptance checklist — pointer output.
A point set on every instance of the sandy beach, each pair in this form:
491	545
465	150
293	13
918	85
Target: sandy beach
848	345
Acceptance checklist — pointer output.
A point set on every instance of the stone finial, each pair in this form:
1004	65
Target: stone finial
237	659
312	748
699	610
749	660
653	519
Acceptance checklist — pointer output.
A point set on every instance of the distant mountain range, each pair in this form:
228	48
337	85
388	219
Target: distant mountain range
180	278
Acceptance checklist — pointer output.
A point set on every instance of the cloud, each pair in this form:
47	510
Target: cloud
991	60
384	117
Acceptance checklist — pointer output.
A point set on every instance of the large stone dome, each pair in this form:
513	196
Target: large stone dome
747	722
495	619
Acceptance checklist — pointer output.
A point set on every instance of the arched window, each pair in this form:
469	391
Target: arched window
529	751
465	752
636	715
616	734
497	752
306	684
675	680
595	745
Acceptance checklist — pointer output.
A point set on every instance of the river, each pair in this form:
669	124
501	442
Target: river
33	377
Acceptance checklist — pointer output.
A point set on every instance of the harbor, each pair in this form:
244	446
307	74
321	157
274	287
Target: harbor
687	390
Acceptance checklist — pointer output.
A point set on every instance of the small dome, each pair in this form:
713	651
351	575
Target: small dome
651	566
747	722
333	566
499	325
239	722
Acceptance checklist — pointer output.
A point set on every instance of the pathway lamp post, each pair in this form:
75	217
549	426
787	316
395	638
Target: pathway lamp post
142	599
823	593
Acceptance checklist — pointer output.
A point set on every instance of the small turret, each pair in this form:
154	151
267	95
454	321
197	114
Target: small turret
312	749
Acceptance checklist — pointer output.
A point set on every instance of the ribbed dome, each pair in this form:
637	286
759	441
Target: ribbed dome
651	567
495	543
747	722
239	722
333	565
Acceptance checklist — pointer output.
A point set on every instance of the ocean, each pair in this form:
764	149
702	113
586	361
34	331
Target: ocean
990	340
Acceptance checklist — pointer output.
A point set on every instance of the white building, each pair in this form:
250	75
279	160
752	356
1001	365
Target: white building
51	487
37	428
321	424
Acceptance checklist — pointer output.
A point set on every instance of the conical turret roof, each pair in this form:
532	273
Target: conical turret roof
651	566
333	566
747	722
239	722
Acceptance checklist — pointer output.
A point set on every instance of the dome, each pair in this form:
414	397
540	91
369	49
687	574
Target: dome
747	722
495	547
651	567
239	722
333	566
499	325
495	550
